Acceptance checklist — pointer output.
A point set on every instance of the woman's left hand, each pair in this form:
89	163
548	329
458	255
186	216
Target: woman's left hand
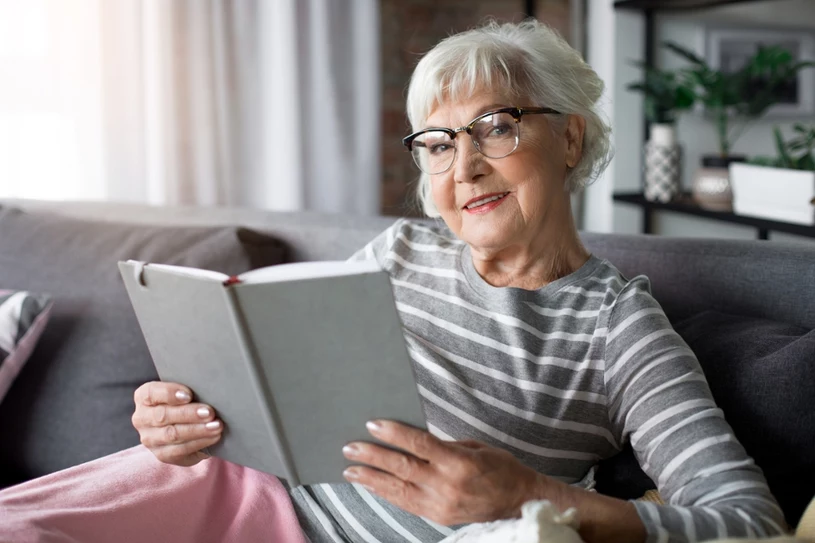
448	482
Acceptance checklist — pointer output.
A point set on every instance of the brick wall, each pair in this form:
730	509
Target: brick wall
409	29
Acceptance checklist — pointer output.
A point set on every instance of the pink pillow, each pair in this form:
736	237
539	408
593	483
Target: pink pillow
23	316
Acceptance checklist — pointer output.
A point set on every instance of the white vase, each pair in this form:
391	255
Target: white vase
662	164
711	182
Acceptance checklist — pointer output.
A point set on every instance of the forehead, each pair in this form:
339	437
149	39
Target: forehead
453	113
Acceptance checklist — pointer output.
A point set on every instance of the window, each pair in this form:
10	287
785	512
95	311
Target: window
50	100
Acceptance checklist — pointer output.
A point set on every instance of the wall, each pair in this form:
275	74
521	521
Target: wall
409	29
614	37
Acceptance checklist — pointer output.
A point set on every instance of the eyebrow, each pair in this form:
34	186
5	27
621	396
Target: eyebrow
480	111
485	109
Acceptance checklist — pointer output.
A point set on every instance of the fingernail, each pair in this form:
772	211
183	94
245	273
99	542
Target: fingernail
350	450
182	395
351	474
373	426
203	412
213	425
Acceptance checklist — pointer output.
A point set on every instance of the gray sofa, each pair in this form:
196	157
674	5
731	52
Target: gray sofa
747	308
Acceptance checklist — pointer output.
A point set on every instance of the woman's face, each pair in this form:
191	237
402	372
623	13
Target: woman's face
530	181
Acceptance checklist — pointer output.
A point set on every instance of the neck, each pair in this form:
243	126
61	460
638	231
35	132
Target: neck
555	252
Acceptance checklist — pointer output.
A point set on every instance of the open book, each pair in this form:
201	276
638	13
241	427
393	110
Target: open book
294	358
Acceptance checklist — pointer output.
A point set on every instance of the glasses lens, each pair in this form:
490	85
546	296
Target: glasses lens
496	135
434	151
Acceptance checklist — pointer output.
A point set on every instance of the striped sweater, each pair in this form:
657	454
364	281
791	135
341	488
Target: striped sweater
561	377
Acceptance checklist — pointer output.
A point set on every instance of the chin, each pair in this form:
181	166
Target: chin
485	238
497	232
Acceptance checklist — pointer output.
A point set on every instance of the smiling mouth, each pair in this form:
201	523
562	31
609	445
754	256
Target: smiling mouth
485	200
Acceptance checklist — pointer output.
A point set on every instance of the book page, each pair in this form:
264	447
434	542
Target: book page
308	270
184	270
331	353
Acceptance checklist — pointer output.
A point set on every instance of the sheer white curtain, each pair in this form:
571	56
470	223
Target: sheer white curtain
271	104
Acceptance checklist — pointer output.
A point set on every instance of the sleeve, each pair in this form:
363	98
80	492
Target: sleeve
379	247
659	399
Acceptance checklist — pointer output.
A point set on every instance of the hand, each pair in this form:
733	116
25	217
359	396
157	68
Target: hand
173	428
447	482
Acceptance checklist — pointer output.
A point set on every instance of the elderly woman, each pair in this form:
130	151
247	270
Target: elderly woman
534	358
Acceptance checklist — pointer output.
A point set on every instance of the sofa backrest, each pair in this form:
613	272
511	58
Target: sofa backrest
772	280
310	236
763	279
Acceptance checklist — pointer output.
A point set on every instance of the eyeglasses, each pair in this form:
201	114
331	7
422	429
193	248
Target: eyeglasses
494	134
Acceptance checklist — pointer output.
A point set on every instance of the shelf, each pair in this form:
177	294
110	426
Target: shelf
685	205
673	5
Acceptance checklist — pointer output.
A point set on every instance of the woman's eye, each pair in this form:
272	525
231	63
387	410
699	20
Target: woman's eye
438	148
499	130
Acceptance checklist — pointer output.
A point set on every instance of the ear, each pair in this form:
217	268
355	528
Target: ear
575	128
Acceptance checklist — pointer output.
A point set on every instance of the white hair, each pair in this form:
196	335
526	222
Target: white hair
534	63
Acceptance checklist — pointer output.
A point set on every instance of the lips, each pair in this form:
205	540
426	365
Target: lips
484	199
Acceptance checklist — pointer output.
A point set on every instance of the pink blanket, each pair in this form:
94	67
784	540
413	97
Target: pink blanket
130	496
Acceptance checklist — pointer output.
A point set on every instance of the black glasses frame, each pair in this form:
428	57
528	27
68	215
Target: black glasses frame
516	112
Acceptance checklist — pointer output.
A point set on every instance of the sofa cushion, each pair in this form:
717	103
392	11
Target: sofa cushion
23	316
762	376
72	402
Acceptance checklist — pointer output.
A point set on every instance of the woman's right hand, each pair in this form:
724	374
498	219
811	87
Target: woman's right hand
173	427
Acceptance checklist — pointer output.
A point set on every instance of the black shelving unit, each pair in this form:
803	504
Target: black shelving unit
685	205
650	8
674	5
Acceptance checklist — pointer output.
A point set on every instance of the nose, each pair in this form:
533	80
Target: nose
469	165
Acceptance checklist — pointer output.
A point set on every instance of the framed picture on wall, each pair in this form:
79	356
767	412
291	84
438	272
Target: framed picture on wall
728	49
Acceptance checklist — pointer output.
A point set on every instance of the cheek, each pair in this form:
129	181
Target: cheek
443	192
541	167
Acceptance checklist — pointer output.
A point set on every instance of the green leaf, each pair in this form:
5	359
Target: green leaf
807	163
764	161
782	148
684	97
684	53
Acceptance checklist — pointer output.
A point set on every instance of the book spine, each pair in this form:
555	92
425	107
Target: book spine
249	353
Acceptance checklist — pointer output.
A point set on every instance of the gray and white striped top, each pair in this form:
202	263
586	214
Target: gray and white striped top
561	377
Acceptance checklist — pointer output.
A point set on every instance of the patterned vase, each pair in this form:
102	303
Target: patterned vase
662	164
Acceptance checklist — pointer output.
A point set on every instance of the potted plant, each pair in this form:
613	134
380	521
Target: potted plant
734	100
665	96
781	187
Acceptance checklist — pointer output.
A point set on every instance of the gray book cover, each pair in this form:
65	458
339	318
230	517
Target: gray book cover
295	358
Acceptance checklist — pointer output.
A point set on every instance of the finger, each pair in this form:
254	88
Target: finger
418	442
469	444
175	434
162	415
404	466
157	393
185	454
397	491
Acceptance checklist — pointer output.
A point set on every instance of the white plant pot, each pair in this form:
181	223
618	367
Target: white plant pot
773	193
